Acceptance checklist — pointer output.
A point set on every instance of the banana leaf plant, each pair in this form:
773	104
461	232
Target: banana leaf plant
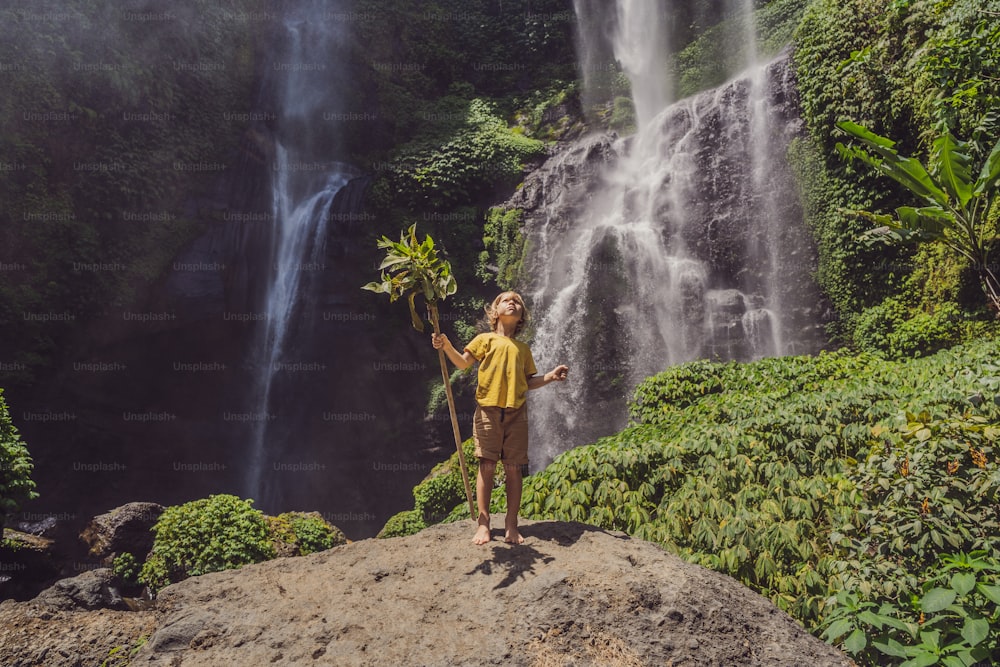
955	203
410	269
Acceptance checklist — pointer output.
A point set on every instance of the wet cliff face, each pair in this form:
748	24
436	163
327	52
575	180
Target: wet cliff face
159	405
682	241
158	400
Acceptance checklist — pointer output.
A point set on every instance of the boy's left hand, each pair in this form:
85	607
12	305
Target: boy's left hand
559	373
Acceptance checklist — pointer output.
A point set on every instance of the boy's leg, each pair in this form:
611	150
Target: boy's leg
515	463
484	489
487	432
515	482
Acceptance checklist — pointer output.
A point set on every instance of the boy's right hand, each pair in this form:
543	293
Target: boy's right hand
439	341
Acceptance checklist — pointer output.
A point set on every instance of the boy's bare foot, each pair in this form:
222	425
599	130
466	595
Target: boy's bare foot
513	536
482	535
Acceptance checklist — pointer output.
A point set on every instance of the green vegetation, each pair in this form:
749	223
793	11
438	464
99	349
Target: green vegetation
915	71
504	243
412	268
436	497
956	201
890	328
302	533
121	656
718	53
804	477
107	128
464	152
222	532
467	95
16	485
126	568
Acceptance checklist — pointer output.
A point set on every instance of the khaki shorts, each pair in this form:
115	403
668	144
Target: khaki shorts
501	434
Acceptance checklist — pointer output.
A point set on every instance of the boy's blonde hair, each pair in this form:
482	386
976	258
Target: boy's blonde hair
494	317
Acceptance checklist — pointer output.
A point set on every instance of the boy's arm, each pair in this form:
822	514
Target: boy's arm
461	361
557	374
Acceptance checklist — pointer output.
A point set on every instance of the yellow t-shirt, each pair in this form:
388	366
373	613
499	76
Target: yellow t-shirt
504	367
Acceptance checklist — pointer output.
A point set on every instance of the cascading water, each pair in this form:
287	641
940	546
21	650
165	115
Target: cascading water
304	183
676	251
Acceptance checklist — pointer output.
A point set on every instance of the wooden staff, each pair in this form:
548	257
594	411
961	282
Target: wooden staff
432	313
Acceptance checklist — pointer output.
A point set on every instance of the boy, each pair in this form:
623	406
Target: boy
500	425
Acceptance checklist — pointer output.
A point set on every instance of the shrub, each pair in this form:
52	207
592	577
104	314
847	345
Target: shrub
216	533
16	485
460	157
910	72
407	522
919	563
301	533
126	568
767	471
504	243
890	328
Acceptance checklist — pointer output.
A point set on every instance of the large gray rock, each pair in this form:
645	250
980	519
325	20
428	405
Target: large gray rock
571	593
125	529
91	590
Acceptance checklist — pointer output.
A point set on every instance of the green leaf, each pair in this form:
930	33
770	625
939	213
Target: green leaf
899	624
931	638
937	599
891	647
929	221
923	659
865	134
856	642
909	173
963	582
415	320
975	630
991	592
379	288
904	170
951	167
990	174
392	260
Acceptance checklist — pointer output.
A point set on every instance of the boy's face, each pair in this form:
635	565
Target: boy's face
510	305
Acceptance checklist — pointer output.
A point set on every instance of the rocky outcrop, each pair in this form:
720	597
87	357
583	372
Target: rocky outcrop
125	529
94	589
571	594
560	190
683	241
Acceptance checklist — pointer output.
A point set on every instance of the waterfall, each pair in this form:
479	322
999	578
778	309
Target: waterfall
673	249
303	84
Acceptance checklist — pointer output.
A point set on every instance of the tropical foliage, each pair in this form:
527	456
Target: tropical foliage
411	268
805	477
437	497
913	71
16	485
956	203
222	532
108	127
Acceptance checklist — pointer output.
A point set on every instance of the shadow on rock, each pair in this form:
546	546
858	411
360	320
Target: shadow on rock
564	533
516	561
520	559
